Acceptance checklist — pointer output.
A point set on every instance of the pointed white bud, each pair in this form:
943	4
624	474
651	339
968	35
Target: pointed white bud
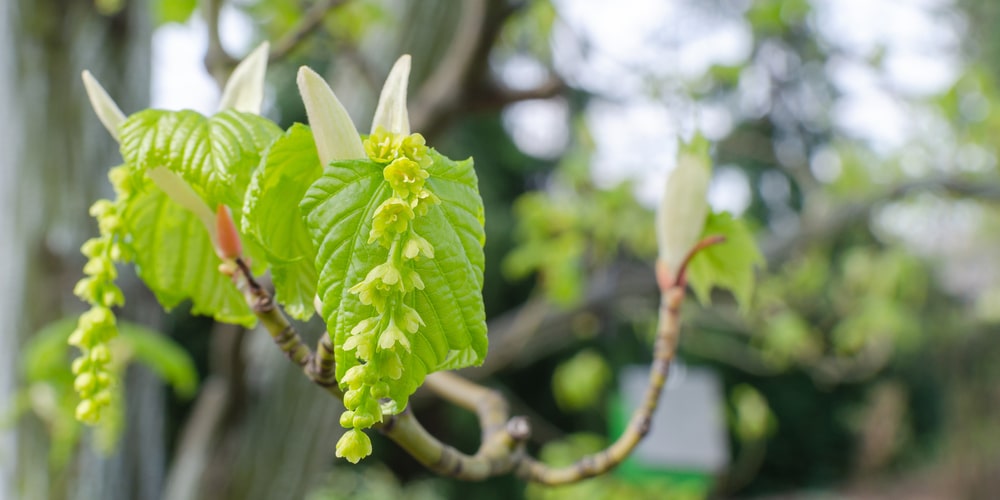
107	111
332	128
245	89
684	207
391	112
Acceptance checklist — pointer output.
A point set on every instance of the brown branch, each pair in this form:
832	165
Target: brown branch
501	448
439	92
317	368
639	425
494	96
708	241
218	62
311	19
499	458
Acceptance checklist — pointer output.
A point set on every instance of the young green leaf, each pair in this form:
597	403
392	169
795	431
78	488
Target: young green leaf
175	257
164	357
272	216
339	210
728	265
215	155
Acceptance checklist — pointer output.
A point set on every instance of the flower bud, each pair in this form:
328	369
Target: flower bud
87	412
80	364
363	421
347	419
352	398
100	354
379	390
227	242
354	445
85	383
93	247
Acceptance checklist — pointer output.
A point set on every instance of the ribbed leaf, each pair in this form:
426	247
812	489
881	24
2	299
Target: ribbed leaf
215	155
272	216
175	258
339	207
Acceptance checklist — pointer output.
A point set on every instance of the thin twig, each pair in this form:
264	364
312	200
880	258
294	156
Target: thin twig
708	241
311	19
284	334
502	447
446	83
639	425
218	62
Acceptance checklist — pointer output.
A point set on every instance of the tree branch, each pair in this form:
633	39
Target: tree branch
317	368
494	96
218	62
311	19
503	438
639	425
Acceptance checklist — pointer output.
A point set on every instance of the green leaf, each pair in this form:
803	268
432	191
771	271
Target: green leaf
175	258
579	382
44	357
215	155
339	207
272	216
157	351
173	11
728	265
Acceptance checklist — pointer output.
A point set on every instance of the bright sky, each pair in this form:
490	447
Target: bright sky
179	77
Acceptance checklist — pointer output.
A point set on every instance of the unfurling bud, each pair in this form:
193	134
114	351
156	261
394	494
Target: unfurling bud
227	239
684	207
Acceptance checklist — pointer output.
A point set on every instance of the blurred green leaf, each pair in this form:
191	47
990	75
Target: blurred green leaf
729	265
579	382
162	355
173	11
751	418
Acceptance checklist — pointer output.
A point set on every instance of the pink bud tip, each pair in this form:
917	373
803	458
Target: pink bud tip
227	244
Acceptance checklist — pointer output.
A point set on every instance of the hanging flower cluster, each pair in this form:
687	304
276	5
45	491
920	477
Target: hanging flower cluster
96	327
388	287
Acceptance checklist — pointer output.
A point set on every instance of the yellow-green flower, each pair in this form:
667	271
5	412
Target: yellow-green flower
354	445
392	217
405	177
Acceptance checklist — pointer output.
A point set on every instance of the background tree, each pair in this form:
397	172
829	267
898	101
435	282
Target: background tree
869	338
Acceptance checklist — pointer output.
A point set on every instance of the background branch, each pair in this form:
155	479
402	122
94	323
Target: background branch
311	19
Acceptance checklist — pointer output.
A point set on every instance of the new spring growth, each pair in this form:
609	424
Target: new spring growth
381	341
680	218
243	92
94	376
227	242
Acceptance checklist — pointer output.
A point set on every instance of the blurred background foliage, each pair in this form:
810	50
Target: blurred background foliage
857	138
